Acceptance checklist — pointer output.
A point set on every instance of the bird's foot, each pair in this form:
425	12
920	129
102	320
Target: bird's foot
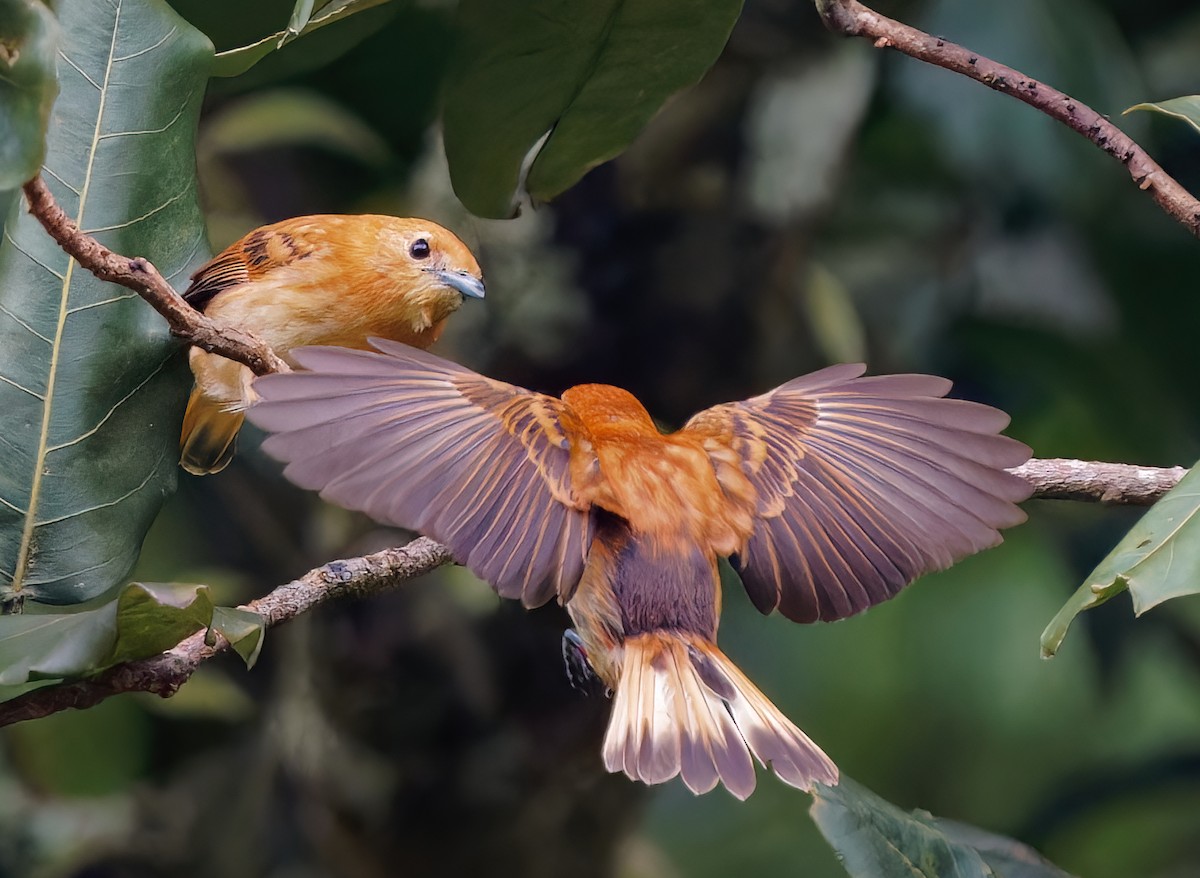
575	660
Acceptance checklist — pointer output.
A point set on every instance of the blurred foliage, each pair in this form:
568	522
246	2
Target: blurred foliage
809	198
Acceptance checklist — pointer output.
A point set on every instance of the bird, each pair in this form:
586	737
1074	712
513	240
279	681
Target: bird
311	280
828	494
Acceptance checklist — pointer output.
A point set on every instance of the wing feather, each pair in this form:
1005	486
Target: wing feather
422	443
859	485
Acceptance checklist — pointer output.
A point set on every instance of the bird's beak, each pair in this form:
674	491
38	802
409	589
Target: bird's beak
463	281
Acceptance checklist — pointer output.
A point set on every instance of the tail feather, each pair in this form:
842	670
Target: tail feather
209	435
683	708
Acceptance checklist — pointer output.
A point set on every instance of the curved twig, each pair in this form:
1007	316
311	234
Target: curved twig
139	275
853	19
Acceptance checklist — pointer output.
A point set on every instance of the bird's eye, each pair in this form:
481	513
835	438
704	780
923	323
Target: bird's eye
419	249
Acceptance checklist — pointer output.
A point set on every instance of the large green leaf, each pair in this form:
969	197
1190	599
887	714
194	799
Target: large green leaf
28	38
1157	560
1185	108
875	839
91	384
588	75
143	620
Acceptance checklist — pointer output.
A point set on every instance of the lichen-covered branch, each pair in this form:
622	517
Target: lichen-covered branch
853	19
1112	483
138	274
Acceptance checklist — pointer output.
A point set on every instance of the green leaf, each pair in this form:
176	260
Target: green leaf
28	40
91	383
875	839
154	616
1157	560
140	621
243	629
587	77
1185	108
235	62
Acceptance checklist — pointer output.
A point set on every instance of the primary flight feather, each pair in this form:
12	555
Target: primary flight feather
828	494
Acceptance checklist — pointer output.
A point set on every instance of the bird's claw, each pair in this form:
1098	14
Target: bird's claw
575	660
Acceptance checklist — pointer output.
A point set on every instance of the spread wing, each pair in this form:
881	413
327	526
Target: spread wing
250	258
422	443
859	485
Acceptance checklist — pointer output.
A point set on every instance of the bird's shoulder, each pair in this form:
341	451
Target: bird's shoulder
257	254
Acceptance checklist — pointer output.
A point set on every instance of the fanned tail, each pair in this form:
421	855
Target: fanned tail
683	708
209	434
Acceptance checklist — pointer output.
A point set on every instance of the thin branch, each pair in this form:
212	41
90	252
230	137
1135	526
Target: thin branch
387	570
853	19
139	275
164	674
1089	480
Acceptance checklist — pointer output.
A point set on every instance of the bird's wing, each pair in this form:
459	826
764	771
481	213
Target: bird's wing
859	485
249	259
422	443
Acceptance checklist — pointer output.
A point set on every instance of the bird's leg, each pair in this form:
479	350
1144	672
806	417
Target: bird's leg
575	660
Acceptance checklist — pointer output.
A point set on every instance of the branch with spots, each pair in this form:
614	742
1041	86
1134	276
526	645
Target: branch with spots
1113	483
138	274
851	18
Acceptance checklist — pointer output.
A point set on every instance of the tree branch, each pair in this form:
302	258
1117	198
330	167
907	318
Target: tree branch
1089	480
139	275
853	19
375	574
164	674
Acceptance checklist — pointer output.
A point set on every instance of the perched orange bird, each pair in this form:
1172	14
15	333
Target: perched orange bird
325	279
827	494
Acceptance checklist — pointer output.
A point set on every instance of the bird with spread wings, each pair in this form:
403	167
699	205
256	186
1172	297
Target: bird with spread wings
827	494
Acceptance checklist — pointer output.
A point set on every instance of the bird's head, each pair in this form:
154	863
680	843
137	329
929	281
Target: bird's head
430	265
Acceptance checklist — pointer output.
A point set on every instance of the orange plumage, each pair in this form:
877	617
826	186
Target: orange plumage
324	279
827	494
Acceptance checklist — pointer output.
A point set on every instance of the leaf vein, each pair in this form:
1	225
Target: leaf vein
23	388
150	48
108	301
17	320
8	236
138	219
109	413
46	169
79	70
108	504
175	118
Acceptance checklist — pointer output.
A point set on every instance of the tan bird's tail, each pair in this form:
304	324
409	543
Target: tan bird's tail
682	707
208	437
